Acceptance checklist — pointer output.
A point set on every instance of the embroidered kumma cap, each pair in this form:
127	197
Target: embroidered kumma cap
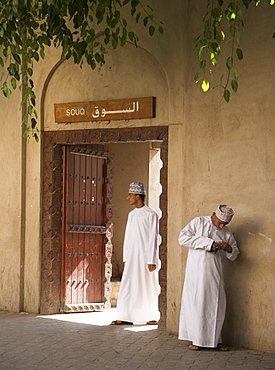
224	213
137	187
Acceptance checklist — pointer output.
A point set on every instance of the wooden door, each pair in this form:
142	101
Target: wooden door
83	227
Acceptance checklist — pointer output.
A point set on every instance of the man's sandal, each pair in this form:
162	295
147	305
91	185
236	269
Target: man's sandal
222	348
193	347
153	322
118	322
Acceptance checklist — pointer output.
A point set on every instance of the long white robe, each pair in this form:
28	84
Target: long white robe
203	298
139	288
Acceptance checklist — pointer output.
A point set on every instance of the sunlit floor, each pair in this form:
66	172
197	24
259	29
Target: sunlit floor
99	318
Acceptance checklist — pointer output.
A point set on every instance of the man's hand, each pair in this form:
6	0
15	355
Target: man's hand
151	267
215	247
226	247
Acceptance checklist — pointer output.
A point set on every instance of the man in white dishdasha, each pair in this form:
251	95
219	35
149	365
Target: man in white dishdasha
203	298
139	289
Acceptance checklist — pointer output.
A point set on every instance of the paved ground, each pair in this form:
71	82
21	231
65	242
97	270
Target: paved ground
86	341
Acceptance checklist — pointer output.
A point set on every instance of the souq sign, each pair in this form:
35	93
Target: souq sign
121	109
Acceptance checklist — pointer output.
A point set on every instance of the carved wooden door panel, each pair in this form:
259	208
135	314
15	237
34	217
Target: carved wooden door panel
84	227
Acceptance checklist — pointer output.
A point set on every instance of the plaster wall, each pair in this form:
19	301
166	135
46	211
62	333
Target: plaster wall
137	74
32	260
228	157
10	203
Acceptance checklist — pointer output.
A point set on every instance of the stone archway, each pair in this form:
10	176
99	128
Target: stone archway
52	203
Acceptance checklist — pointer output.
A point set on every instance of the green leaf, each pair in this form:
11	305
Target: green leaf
30	109
207	36
234	85
25	80
30	71
239	53
240	17
196	77
134	3
236	74
114	23
201	49
213	59
25	118
17	58
226	95
215	47
202	64
229	62
151	30
35	55
131	36
205	85
42	53
138	17
161	30
98	57
238	34
13	83
6	90
12	69
114	43
215	13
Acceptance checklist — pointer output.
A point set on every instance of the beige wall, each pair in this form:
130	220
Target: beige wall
32	261
228	157
10	203
137	74
218	153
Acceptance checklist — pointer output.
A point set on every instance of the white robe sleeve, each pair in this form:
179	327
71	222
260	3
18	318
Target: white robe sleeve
191	236
235	251
153	230
126	238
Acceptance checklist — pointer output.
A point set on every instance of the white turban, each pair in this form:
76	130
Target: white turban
224	213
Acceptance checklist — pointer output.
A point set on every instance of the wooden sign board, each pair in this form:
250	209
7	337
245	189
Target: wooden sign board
105	110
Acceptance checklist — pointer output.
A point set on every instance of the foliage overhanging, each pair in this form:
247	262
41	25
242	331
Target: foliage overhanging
223	27
28	27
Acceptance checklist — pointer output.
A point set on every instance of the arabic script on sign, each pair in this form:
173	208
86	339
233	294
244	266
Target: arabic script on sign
103	112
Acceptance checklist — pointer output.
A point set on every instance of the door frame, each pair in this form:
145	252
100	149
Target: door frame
51	257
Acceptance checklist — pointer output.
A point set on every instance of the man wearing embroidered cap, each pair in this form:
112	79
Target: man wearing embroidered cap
139	289
203	297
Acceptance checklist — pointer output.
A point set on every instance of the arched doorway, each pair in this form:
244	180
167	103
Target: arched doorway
54	141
